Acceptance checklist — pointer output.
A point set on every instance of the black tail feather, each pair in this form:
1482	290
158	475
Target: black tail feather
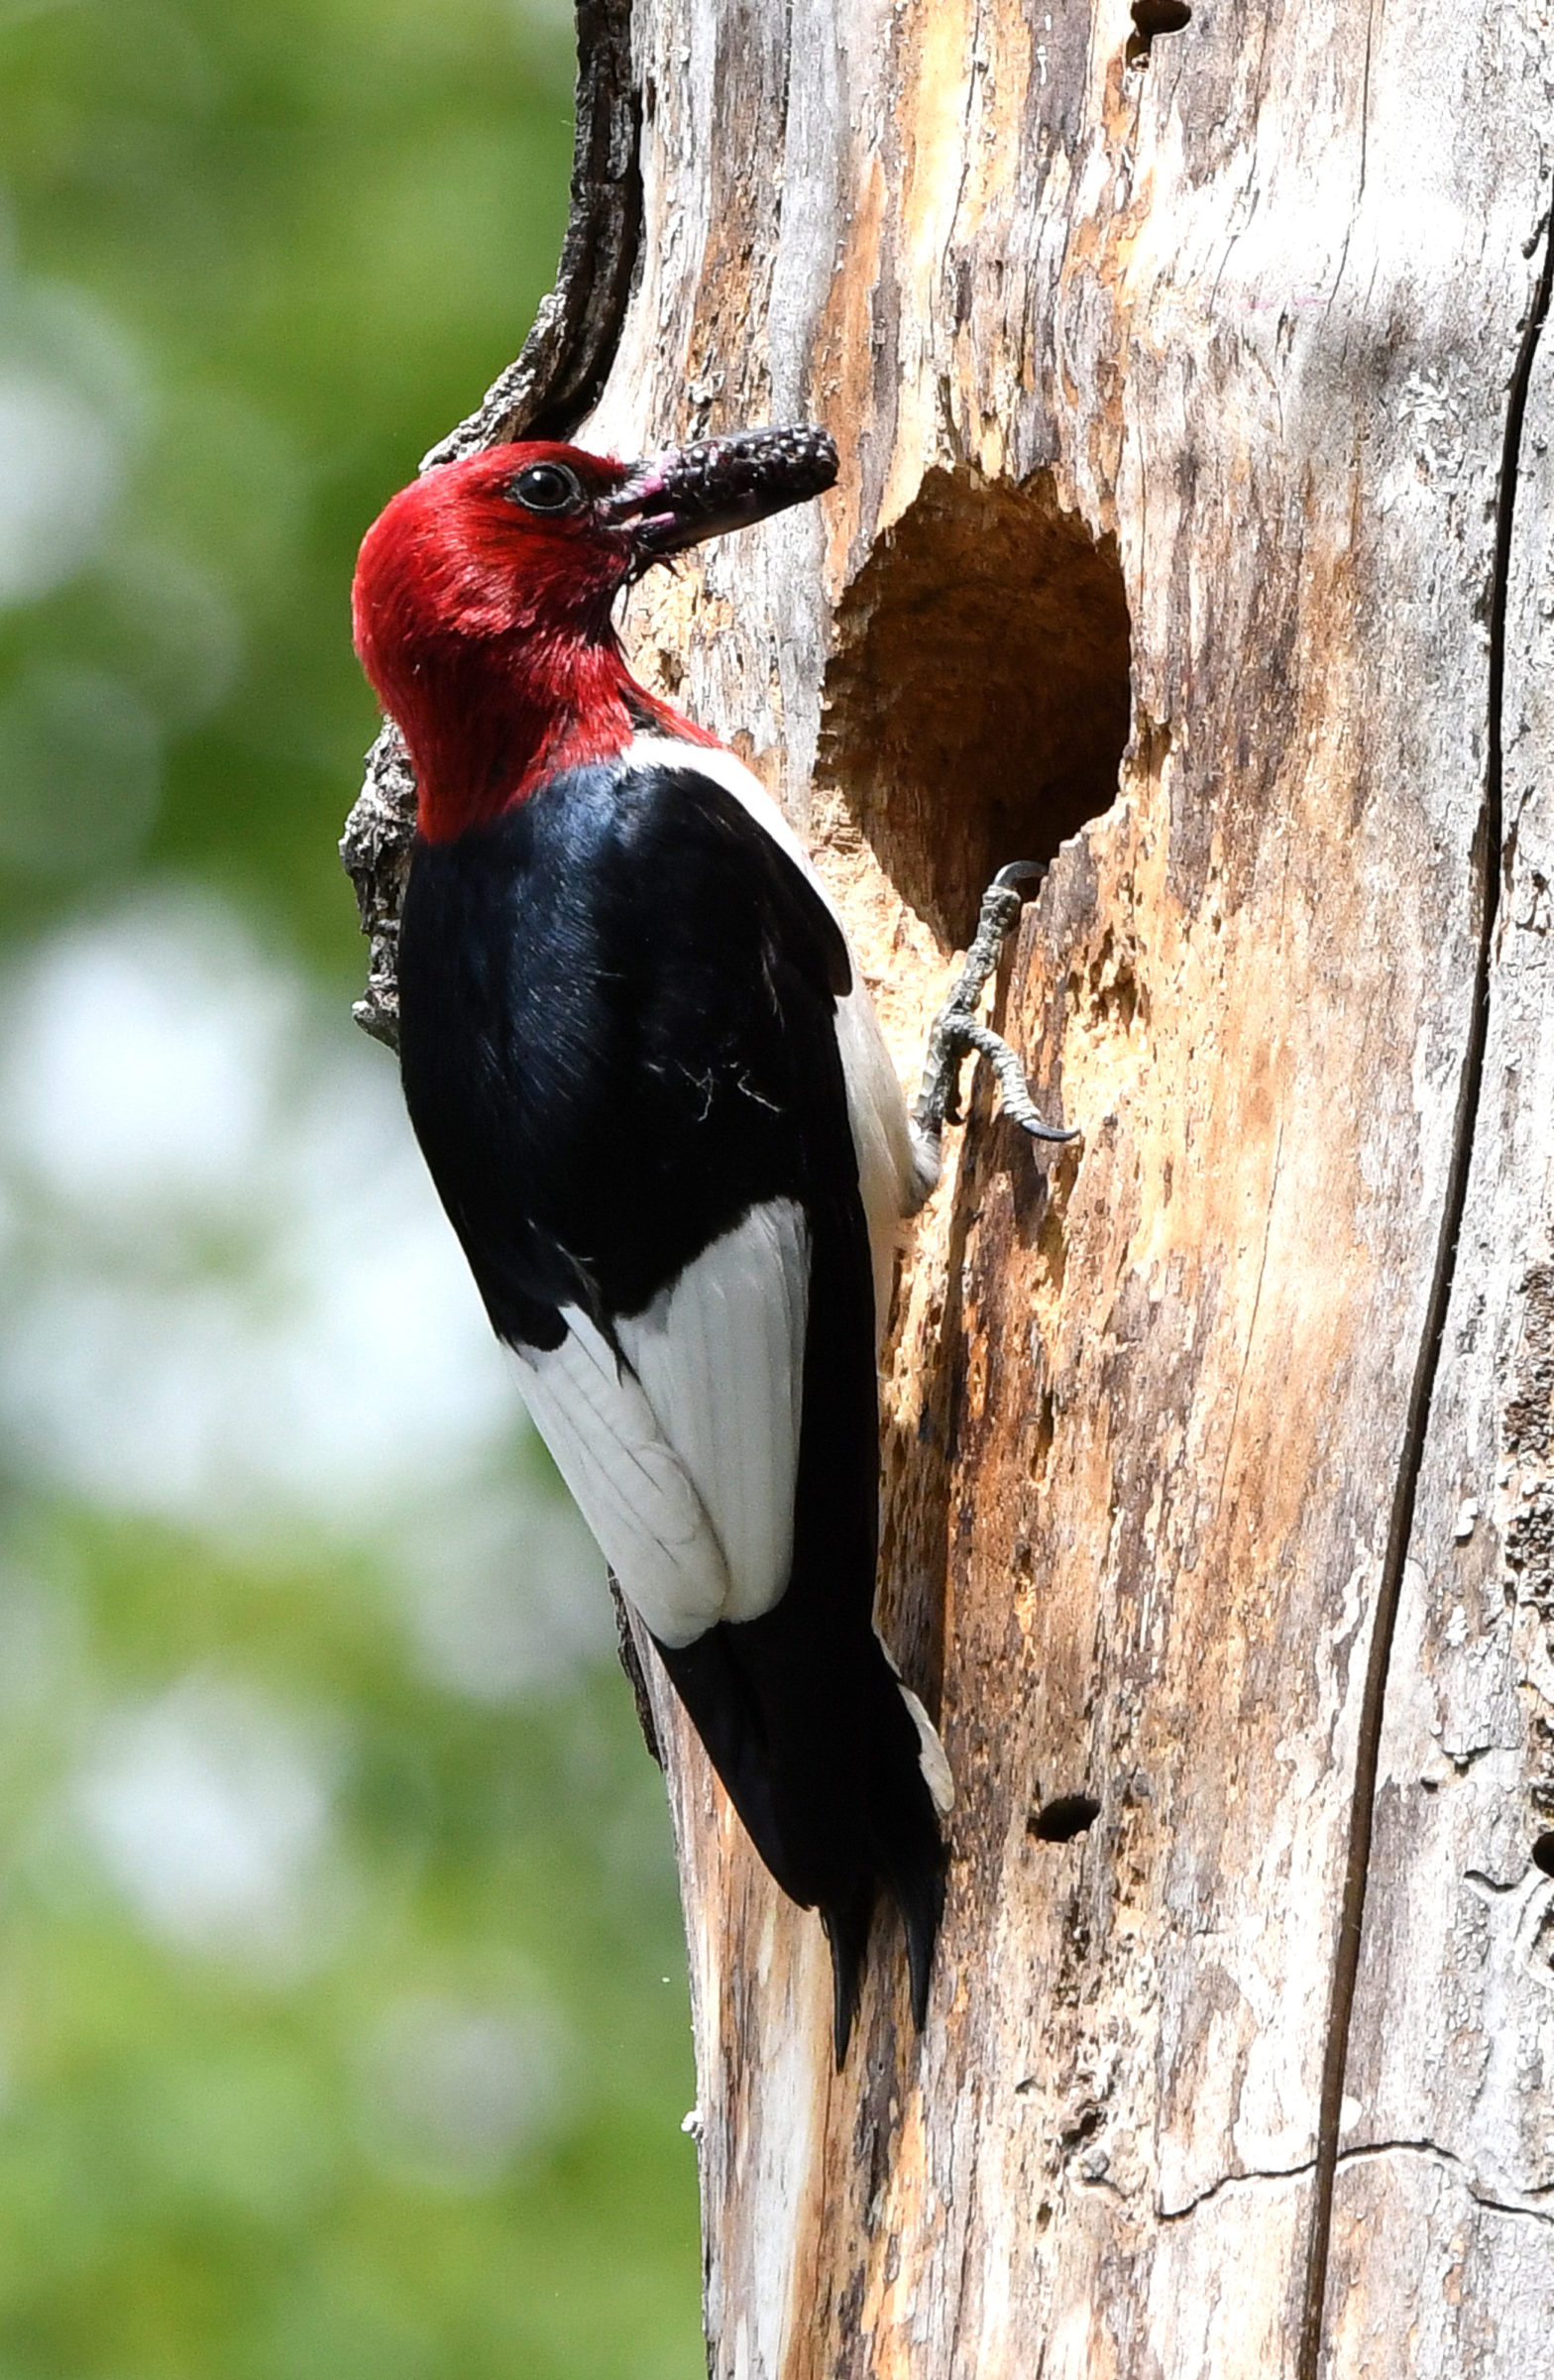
800	1710
847	1932
919	1894
920	1897
822	1763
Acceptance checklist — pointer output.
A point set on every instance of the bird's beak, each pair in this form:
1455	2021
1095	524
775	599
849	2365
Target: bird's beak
677	499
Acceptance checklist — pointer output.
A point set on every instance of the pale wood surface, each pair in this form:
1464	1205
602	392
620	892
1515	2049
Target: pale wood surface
1444	2211
1171	400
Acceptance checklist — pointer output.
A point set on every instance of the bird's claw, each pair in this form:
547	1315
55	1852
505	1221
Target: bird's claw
957	1027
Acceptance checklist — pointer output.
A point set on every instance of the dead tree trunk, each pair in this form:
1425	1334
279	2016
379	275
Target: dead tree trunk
1196	525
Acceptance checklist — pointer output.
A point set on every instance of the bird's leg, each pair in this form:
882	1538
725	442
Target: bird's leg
957	1027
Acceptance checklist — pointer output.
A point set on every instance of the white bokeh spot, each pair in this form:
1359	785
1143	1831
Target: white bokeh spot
210	1811
62	466
456	2091
232	1299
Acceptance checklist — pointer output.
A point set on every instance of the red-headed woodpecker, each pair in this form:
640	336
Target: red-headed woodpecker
652	1094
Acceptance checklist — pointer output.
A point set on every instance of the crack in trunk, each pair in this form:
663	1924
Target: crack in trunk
1489	870
1214	2190
1458	2168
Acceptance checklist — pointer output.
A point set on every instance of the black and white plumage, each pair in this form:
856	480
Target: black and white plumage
655	1101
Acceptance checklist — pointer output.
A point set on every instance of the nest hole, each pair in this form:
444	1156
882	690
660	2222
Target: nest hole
1543	1854
977	704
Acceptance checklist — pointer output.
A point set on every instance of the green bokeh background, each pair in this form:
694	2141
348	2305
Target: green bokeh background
277	251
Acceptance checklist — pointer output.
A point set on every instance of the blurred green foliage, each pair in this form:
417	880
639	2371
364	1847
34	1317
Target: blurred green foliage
306	236
252	264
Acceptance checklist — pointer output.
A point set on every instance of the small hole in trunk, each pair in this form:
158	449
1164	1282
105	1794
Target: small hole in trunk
1060	1819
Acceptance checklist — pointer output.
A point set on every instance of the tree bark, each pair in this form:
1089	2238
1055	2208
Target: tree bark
1195	524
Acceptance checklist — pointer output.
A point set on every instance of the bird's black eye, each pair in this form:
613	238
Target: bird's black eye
546	488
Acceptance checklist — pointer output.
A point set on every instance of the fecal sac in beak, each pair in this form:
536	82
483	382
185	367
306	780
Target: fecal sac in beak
677	499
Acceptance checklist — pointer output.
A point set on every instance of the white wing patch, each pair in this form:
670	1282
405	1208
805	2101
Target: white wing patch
629	1485
894	1176
683	1457
720	1355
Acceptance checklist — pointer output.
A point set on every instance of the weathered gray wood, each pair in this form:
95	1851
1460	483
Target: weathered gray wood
1444	2208
1172	398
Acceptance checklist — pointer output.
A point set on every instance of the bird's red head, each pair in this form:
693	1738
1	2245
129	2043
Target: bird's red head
484	592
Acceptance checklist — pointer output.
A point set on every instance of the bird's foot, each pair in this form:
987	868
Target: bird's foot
957	1027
